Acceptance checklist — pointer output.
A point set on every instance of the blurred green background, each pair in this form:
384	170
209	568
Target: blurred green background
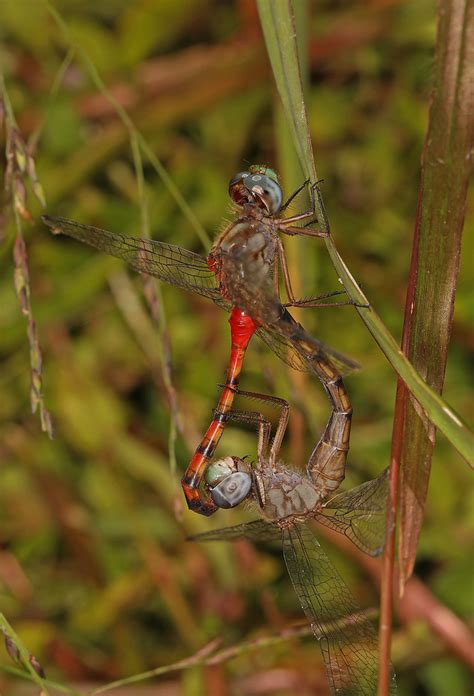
95	572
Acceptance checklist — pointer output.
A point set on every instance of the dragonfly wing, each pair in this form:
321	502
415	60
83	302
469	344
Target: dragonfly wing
347	639
282	347
280	331
258	530
360	514
307	347
167	262
298	359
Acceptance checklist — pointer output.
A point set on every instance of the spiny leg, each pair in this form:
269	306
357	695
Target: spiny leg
282	420
293	196
314	301
292	301
287	226
258	420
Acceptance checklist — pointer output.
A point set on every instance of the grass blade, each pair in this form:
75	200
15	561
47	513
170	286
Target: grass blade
277	23
435	255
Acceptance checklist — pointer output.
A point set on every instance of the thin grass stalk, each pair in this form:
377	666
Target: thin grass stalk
23	656
388	566
154	298
20	168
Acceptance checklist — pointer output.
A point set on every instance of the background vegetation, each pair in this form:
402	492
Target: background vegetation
95	573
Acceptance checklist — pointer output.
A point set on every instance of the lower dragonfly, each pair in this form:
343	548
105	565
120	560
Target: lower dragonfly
287	500
240	274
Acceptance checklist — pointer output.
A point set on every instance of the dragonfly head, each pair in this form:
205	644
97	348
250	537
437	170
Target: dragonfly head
229	480
259	186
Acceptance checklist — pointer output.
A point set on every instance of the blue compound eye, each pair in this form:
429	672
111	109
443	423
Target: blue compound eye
238	178
232	490
219	470
238	191
265	192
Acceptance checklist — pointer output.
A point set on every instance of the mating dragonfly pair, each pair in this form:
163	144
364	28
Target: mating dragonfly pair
242	275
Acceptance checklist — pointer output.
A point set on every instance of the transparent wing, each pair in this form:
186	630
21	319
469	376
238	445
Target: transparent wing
258	530
285	348
187	270
167	262
347	639
360	514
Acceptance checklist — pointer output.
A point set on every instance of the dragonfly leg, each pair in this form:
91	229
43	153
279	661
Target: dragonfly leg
287	226
258	420
294	230
292	301
332	293
193	482
326	465
309	301
284	407
293	195
314	302
281	256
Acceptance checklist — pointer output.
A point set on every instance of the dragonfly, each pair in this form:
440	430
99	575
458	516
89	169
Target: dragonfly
287	500
242	275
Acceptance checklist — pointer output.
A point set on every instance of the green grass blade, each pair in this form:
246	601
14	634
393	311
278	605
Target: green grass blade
277	22
435	255
280	37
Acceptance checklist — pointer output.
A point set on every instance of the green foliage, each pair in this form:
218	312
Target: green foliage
102	583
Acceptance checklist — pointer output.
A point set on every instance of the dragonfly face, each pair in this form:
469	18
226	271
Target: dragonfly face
259	187
230	481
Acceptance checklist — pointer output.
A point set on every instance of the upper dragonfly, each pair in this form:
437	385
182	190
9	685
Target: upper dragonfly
287	499
241	274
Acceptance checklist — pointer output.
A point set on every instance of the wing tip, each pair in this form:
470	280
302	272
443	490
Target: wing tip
53	223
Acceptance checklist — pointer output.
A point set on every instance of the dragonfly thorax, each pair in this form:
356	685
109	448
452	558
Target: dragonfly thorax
284	493
245	250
